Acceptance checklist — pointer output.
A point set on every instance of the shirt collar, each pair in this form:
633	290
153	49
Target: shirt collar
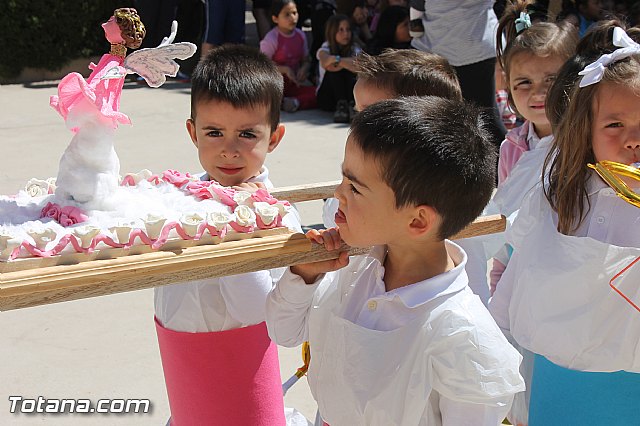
596	184
534	141
424	291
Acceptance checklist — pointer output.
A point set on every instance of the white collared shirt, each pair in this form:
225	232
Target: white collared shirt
293	306
533	140
610	219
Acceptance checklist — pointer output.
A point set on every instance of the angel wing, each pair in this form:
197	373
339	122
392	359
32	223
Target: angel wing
154	64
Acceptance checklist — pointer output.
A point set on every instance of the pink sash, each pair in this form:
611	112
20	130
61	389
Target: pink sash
222	378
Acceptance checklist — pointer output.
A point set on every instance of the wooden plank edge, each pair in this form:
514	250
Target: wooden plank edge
307	192
98	278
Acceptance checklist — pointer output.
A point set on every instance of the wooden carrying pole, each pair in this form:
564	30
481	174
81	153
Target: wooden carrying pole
58	283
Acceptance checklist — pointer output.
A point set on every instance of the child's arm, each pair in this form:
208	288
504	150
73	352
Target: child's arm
288	304
285	70
303	71
330	238
500	262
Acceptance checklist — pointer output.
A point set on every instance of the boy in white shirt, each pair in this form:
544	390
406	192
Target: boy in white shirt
396	336
219	364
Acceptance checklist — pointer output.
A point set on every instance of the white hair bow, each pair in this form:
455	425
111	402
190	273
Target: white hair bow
593	72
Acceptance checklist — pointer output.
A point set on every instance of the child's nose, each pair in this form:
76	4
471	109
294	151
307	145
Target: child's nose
339	192
541	90
229	151
633	140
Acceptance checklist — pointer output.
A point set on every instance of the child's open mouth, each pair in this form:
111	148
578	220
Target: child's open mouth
340	217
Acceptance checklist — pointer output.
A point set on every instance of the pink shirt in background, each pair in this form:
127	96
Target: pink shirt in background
288	50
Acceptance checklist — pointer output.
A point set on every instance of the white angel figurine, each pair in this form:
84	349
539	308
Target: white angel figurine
89	168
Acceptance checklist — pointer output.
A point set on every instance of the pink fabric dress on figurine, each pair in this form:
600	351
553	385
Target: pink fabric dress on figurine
103	88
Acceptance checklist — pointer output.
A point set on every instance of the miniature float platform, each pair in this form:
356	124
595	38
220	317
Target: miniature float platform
40	281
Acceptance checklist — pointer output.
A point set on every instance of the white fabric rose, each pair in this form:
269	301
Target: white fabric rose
190	223
85	234
267	212
245	216
218	219
242	198
37	187
42	236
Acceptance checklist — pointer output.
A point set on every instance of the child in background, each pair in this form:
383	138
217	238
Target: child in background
220	365
287	46
396	335
393	74
392	31
531	58
337	70
384	4
570	238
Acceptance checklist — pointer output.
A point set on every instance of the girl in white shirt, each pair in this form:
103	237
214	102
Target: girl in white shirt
570	239
337	72
530	53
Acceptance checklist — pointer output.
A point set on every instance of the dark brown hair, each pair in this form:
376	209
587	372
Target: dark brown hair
330	31
240	75
541	39
431	151
572	117
409	72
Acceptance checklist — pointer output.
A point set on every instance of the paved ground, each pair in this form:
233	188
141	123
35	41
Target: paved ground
106	347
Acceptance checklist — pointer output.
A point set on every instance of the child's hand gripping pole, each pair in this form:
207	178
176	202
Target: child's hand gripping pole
331	240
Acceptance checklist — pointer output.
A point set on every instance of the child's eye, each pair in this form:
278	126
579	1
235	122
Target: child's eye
550	79
613	125
523	84
214	133
248	135
353	189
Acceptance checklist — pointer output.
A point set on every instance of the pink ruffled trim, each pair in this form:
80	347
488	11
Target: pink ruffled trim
199	189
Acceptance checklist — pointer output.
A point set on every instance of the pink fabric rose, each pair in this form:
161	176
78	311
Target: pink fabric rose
176	178
224	194
65	220
199	189
65	216
72	215
262	195
51	210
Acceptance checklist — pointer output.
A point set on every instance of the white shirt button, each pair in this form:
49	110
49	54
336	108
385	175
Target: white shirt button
600	219
372	305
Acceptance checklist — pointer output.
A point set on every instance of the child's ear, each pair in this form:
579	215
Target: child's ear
276	137
425	220
191	128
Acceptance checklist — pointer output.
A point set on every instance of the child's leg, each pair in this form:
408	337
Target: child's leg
335	86
306	95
